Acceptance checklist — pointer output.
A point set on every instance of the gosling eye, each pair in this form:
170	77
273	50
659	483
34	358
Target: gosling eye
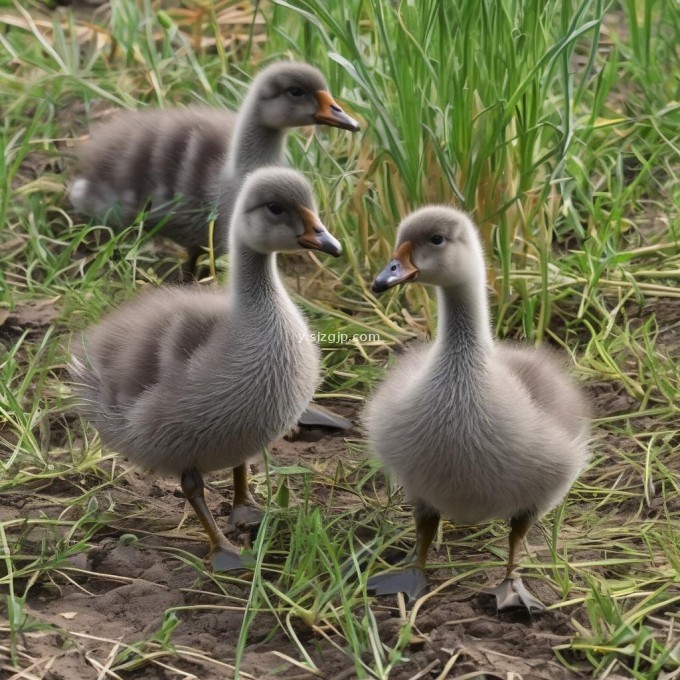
296	91
437	239
275	208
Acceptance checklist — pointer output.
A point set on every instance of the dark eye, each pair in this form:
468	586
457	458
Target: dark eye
437	239
275	208
296	91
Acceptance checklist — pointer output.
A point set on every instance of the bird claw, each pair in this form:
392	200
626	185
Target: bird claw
512	594
411	581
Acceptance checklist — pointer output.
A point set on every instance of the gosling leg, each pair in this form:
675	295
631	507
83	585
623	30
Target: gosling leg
411	579
224	555
511	592
190	268
246	513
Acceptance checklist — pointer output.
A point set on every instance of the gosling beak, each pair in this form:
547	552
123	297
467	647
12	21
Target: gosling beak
330	113
400	269
316	236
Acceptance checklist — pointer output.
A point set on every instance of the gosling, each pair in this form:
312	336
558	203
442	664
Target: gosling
186	380
473	428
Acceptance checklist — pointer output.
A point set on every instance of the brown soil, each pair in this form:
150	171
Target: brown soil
119	591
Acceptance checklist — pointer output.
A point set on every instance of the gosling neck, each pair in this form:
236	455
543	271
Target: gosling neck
254	281
254	145
464	328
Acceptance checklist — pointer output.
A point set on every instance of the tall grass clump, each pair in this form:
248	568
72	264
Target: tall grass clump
492	106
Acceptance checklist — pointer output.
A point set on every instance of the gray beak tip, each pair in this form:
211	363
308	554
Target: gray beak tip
378	287
353	126
332	246
392	275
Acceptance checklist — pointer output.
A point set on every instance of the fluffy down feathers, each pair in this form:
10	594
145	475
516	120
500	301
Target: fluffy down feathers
167	162
475	428
191	377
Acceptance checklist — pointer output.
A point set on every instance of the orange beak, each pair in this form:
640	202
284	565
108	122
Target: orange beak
400	269
316	236
329	113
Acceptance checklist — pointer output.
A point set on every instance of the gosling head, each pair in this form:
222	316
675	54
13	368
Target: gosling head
293	94
436	245
276	213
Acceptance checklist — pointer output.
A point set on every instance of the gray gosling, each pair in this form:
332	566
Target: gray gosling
182	164
473	428
185	380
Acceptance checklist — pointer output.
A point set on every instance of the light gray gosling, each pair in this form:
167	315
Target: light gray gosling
182	164
190	379
474	429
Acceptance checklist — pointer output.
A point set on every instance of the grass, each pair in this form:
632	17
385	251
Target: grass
555	124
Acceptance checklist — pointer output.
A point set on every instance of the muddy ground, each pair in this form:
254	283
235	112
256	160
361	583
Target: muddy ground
118	591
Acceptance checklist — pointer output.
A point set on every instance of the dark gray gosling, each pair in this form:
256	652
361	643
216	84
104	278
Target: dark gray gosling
182	164
474	429
184	380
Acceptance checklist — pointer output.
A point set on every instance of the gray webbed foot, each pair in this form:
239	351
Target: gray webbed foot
223	559
316	415
245	517
512	594
411	581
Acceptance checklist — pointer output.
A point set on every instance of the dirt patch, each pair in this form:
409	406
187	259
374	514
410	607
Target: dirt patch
480	641
103	616
141	589
31	315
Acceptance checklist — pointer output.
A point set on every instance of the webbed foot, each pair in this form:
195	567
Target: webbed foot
411	581
512	593
225	556
316	415
245	516
223	559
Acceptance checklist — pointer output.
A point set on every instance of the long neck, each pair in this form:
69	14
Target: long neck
464	332
253	281
255	289
253	145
